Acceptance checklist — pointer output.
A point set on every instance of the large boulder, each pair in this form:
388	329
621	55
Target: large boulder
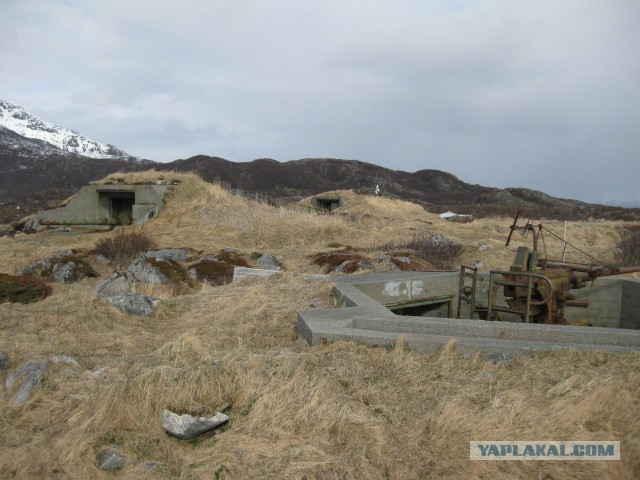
63	272
144	271
160	272
187	427
133	303
119	282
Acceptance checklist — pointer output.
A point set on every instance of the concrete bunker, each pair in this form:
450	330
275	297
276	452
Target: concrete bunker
104	206
327	204
372	302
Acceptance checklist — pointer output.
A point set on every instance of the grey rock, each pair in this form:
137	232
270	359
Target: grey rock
39	365
177	254
101	259
340	268
4	361
64	272
65	252
144	272
389	265
117	283
187	427
241	272
98	372
315	303
39	265
64	359
366	264
231	250
193	274
111	458
24	392
33	225
482	247
501	358
268	262
403	259
33	373
133	303
489	376
478	264
437	239
384	258
149	466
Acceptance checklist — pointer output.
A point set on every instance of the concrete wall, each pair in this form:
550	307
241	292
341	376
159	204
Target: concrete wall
614	302
630	311
605	303
92	205
411	286
367	321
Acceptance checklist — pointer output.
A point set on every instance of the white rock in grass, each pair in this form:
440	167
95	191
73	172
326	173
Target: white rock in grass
111	458
134	303
187	427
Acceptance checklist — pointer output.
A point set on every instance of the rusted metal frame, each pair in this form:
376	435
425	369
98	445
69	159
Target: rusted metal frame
514	283
471	299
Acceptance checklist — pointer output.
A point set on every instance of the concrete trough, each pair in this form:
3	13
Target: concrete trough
365	319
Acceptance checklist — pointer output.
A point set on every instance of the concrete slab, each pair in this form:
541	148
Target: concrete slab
365	319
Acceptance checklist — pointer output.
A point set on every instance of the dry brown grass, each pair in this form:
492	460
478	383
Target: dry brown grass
336	411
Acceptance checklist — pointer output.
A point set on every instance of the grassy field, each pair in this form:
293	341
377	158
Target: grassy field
339	411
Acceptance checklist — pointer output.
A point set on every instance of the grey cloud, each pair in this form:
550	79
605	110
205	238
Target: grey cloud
497	92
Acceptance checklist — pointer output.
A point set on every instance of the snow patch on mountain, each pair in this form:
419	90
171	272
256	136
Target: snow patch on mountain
18	120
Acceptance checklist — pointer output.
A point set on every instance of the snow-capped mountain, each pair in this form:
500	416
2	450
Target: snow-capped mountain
16	119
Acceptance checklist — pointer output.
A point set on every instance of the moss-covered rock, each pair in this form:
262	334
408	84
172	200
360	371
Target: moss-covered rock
213	271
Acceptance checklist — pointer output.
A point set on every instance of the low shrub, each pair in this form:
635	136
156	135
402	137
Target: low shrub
627	250
123	246
440	252
22	289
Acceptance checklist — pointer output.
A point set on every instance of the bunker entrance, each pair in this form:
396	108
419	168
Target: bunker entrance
327	204
435	307
121	207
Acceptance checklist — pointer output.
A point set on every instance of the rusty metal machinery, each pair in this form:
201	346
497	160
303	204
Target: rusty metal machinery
538	289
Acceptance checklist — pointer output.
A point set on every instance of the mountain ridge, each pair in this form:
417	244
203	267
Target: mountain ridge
35	173
18	120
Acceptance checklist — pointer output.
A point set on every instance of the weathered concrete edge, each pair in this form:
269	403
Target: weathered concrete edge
326	326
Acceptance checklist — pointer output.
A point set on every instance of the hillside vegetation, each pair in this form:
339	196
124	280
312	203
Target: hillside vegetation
331	411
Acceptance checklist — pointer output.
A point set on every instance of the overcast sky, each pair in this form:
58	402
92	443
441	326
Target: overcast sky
540	94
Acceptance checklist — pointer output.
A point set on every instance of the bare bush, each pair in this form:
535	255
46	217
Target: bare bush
591	236
435	249
122	247
627	250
